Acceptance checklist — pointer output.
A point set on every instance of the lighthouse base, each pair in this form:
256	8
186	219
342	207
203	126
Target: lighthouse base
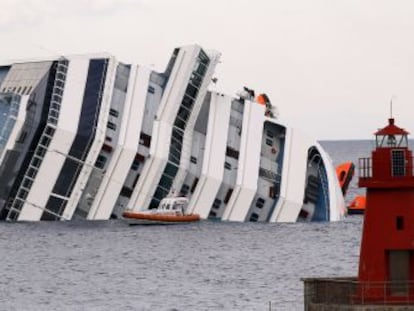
348	294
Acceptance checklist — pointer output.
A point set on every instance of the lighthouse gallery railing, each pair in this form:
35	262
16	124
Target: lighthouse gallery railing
365	167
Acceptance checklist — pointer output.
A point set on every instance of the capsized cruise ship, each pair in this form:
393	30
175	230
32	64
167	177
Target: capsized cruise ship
87	136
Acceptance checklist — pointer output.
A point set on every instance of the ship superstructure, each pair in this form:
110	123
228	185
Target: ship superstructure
86	137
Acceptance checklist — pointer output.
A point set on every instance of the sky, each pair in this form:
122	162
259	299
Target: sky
331	67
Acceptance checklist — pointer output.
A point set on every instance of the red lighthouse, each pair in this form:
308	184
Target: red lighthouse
386	265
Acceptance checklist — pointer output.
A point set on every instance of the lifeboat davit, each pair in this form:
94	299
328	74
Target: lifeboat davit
170	211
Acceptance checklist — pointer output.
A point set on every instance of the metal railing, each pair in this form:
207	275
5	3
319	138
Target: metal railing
349	291
365	167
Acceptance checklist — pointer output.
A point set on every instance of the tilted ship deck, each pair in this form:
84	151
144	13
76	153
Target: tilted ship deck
87	137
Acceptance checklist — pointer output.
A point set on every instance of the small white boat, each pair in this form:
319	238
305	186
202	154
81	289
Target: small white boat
171	210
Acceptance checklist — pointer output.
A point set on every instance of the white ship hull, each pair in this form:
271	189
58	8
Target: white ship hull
89	137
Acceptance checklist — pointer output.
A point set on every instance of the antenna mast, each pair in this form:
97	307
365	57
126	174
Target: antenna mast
392	97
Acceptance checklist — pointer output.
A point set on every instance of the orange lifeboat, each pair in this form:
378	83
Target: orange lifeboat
170	211
345	172
357	205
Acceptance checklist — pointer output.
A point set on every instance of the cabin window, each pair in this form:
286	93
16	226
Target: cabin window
151	90
145	139
227	165
193	160
31	172
184	189
114	113
228	195
45	141
269	142
139	157
111	125
194	185
126	192
49	131
135	165
100	162
107	148
36	162
22	194
254	217
27	183
60	84
230	152
40	151
216	203
269	134
260	203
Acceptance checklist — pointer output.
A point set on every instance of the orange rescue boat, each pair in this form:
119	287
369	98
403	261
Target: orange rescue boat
171	210
345	172
357	206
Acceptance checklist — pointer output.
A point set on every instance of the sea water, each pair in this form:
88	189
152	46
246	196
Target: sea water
209	265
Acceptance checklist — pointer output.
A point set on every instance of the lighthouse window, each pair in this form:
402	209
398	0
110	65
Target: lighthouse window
399	223
398	163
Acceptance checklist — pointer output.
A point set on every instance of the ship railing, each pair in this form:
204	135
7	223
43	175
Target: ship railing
334	292
269	175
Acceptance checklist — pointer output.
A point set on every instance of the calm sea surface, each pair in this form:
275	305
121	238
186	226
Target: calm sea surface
203	266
